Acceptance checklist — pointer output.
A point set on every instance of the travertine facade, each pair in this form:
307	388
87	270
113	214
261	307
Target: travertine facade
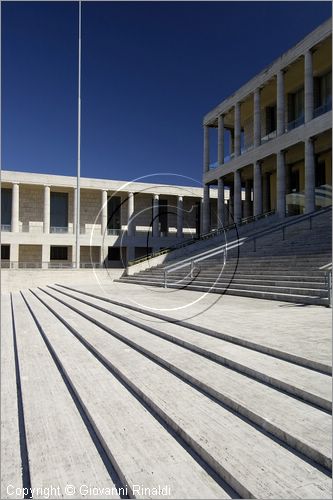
273	148
33	236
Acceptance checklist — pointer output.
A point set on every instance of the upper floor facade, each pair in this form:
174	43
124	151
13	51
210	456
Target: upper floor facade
288	100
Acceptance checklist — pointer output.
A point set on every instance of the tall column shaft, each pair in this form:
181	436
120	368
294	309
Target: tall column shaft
237	130
237	196
248	203
206	149
308	86
257	189
280	184
104	221
220	203
220	140
206	210
156	222
309	167
280	107
266	192
46	209
256	118
15	208
180	217
130	211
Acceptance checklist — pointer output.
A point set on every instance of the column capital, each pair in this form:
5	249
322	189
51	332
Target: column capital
180	197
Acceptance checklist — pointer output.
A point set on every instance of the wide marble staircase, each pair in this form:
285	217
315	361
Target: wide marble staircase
286	261
96	391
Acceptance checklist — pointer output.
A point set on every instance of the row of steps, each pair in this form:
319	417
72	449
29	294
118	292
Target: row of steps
163	404
285	267
296	280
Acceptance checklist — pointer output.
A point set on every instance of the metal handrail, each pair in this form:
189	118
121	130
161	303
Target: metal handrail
205	236
192	261
58	229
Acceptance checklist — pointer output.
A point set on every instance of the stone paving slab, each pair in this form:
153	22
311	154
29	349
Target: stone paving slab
252	463
291	420
142	449
297	330
60	448
11	473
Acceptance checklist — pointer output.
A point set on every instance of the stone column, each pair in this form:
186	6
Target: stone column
104	214
266	197
130	212
220	140
231	205
237	130
45	256
257	189
280	111
206	149
248	204
14	255
156	222
280	184
237	196
15	208
46	209
180	217
308	86
309	171
220	203
205	210
256	118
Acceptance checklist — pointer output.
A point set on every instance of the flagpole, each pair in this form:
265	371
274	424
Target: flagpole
78	174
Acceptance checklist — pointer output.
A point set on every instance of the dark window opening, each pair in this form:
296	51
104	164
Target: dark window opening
270	119
59	210
320	174
6	206
59	253
296	107
294	180
114	253
114	208
163	217
5	252
323	90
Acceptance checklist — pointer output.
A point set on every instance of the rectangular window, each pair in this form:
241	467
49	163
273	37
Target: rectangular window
59	253
6	206
5	252
270	119
59	210
323	90
114	212
163	216
296	107
113	253
320	174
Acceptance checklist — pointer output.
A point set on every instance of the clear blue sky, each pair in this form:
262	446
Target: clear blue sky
150	71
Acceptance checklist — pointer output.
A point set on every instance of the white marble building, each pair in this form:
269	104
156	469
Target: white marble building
118	220
269	144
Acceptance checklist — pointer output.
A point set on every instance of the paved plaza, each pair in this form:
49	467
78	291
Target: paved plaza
120	390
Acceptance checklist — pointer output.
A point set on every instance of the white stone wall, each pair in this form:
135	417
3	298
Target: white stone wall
31	206
91	204
30	253
89	254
